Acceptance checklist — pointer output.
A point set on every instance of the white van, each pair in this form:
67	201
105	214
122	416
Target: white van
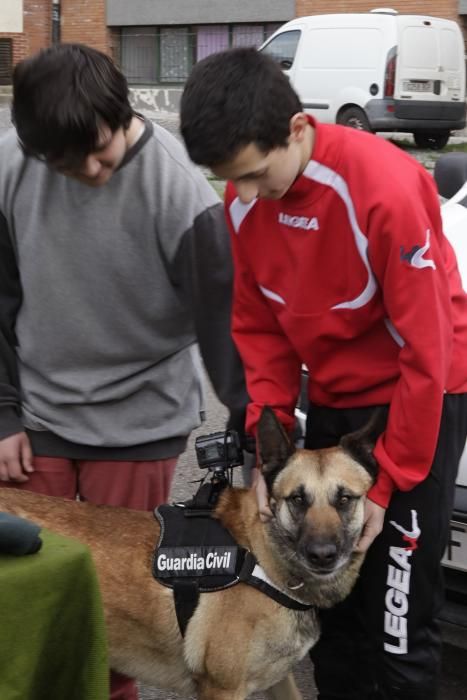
377	71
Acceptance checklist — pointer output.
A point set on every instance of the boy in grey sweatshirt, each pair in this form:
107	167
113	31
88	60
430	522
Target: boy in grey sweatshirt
115	270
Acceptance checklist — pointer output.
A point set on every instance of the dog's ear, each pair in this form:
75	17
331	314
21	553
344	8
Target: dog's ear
274	445
360	444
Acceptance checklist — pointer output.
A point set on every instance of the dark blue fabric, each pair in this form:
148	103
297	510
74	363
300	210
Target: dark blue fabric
18	536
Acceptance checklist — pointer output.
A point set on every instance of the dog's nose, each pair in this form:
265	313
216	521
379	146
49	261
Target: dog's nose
321	554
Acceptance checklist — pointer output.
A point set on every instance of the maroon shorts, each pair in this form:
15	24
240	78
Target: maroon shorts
138	485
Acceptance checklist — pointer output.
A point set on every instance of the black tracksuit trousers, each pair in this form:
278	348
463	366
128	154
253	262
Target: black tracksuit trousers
383	641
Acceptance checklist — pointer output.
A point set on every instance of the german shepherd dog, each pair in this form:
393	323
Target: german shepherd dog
239	640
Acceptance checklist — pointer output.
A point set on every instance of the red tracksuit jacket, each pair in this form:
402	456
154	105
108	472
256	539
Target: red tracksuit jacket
350	274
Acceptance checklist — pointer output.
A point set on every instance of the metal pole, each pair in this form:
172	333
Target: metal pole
55	21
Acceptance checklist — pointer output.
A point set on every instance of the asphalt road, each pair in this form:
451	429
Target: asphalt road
454	686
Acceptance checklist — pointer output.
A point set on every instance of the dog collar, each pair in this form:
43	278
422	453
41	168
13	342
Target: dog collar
259	579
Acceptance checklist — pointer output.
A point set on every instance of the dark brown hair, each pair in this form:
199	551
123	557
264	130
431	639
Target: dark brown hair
63	96
232	99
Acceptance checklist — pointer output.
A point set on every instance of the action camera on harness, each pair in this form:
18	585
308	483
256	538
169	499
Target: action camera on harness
219	452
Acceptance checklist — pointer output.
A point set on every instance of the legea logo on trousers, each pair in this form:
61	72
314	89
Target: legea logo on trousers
398	582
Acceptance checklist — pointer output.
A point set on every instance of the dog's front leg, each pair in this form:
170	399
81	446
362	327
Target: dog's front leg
286	689
207	690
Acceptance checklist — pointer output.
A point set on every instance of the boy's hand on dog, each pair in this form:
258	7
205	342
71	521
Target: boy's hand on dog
259	485
15	458
373	524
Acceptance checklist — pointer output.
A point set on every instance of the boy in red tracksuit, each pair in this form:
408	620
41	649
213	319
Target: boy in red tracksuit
341	264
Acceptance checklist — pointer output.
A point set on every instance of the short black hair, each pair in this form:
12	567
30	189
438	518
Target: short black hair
232	99
62	96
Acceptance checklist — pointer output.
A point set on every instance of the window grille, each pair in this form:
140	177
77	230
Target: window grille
166	55
6	61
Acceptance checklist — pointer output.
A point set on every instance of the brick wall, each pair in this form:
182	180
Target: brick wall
36	34
37	24
437	8
83	21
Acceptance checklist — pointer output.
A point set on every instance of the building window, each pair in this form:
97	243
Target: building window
165	55
175	54
138	54
211	39
247	35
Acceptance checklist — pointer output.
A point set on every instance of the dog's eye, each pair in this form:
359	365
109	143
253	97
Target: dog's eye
345	500
297	499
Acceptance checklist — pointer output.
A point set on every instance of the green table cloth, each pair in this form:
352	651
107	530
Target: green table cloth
52	633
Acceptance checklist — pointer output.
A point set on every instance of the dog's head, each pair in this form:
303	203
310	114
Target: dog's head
317	497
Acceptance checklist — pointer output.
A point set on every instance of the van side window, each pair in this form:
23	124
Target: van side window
282	48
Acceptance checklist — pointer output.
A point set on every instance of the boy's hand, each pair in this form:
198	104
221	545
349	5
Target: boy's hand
373	524
15	458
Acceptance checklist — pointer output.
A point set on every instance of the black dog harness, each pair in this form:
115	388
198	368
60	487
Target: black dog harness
197	554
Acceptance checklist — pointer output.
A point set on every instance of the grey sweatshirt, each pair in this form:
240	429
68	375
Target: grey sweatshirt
103	295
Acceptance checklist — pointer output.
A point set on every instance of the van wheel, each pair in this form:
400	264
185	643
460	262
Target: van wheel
435	140
354	117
